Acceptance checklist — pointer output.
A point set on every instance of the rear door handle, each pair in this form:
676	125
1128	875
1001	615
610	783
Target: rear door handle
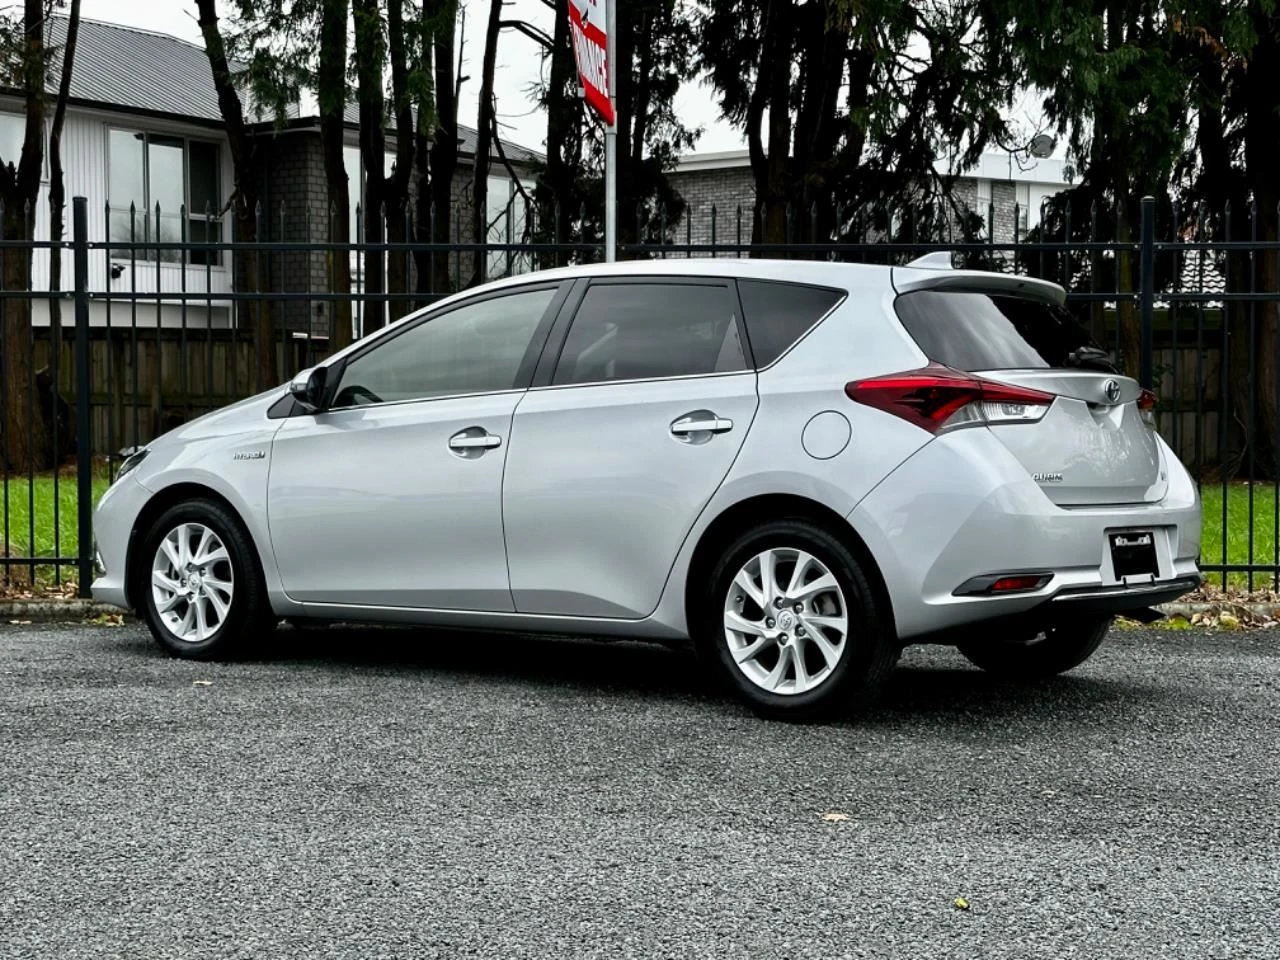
701	423
473	440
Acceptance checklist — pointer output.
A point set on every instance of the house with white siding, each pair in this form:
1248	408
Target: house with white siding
143	131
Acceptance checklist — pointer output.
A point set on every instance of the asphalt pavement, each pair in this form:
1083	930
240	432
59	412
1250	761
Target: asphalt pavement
370	794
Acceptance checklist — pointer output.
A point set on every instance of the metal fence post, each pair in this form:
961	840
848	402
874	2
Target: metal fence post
1147	284
84	429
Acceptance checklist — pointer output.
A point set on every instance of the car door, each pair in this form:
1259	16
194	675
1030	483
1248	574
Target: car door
614	456
392	496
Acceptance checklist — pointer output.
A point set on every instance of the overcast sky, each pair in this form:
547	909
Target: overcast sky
518	65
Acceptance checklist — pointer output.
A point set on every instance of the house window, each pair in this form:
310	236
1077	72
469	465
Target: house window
160	175
507	219
983	199
1022	197
13	133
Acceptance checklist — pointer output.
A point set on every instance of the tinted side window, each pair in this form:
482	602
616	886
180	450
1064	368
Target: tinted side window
779	314
638	331
973	331
475	348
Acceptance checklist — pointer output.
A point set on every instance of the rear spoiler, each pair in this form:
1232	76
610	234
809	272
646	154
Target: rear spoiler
934	272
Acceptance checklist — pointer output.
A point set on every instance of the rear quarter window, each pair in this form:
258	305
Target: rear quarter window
974	331
778	314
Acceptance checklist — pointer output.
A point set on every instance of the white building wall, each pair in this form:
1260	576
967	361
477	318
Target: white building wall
84	161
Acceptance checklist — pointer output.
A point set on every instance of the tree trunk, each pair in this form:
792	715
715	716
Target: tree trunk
628	20
1262	146
484	147
19	188
772	90
59	443
1128	316
371	58
397	186
444	144
331	94
557	181
24	420
244	200
57	182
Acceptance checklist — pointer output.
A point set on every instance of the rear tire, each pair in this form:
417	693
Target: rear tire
199	583
1051	651
791	624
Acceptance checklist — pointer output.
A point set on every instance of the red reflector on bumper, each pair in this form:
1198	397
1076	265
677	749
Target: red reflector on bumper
1007	584
1003	583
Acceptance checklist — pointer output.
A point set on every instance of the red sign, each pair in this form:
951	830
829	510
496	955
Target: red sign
587	28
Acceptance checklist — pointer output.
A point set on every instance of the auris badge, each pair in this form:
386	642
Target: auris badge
248	455
1047	477
1112	390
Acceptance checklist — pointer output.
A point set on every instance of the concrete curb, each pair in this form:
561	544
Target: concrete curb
52	610
77	609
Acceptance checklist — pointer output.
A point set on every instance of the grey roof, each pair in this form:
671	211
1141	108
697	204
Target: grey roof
466	136
124	68
137	70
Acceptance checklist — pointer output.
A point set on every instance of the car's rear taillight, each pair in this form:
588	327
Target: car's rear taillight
937	398
1147	408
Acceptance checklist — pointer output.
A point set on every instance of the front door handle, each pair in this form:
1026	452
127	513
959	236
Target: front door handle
473	441
701	422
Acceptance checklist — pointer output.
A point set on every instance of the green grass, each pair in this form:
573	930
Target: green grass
46	539
33	532
1237	531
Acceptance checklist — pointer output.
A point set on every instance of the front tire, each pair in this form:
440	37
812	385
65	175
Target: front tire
200	585
1044	653
791	624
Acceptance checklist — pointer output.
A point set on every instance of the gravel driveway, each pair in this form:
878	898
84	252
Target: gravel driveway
372	794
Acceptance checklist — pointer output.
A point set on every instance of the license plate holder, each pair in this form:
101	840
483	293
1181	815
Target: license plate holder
1133	555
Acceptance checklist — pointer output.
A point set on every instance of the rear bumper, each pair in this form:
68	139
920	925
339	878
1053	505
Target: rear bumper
1120	599
963	507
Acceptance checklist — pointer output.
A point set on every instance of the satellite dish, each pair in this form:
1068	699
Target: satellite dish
1041	146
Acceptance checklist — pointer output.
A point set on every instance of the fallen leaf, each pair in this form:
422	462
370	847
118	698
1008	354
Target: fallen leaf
108	620
202	683
961	903
20	623
1228	620
834	816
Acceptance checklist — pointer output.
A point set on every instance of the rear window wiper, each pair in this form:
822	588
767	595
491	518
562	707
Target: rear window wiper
1090	358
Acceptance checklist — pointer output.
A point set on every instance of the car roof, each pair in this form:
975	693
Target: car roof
820	272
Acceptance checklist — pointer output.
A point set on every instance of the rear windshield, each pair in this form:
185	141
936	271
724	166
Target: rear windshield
974	331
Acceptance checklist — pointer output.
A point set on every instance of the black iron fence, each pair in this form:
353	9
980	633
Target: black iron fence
166	319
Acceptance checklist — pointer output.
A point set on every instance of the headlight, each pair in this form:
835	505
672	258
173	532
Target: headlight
131	463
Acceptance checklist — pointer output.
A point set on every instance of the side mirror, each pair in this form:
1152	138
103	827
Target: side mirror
308	388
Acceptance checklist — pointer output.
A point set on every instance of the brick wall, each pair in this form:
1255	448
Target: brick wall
293	174
296	211
725	190
728	188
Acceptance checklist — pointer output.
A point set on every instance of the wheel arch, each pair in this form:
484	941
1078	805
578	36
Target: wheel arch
742	516
161	501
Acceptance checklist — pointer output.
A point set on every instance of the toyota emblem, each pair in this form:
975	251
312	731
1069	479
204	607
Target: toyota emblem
1112	389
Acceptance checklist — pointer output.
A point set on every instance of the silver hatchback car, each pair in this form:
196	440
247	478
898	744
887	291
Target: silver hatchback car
802	467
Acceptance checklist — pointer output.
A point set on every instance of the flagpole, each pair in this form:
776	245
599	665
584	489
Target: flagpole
611	142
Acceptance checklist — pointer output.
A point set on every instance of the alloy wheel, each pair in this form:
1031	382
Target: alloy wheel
785	621
192	582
